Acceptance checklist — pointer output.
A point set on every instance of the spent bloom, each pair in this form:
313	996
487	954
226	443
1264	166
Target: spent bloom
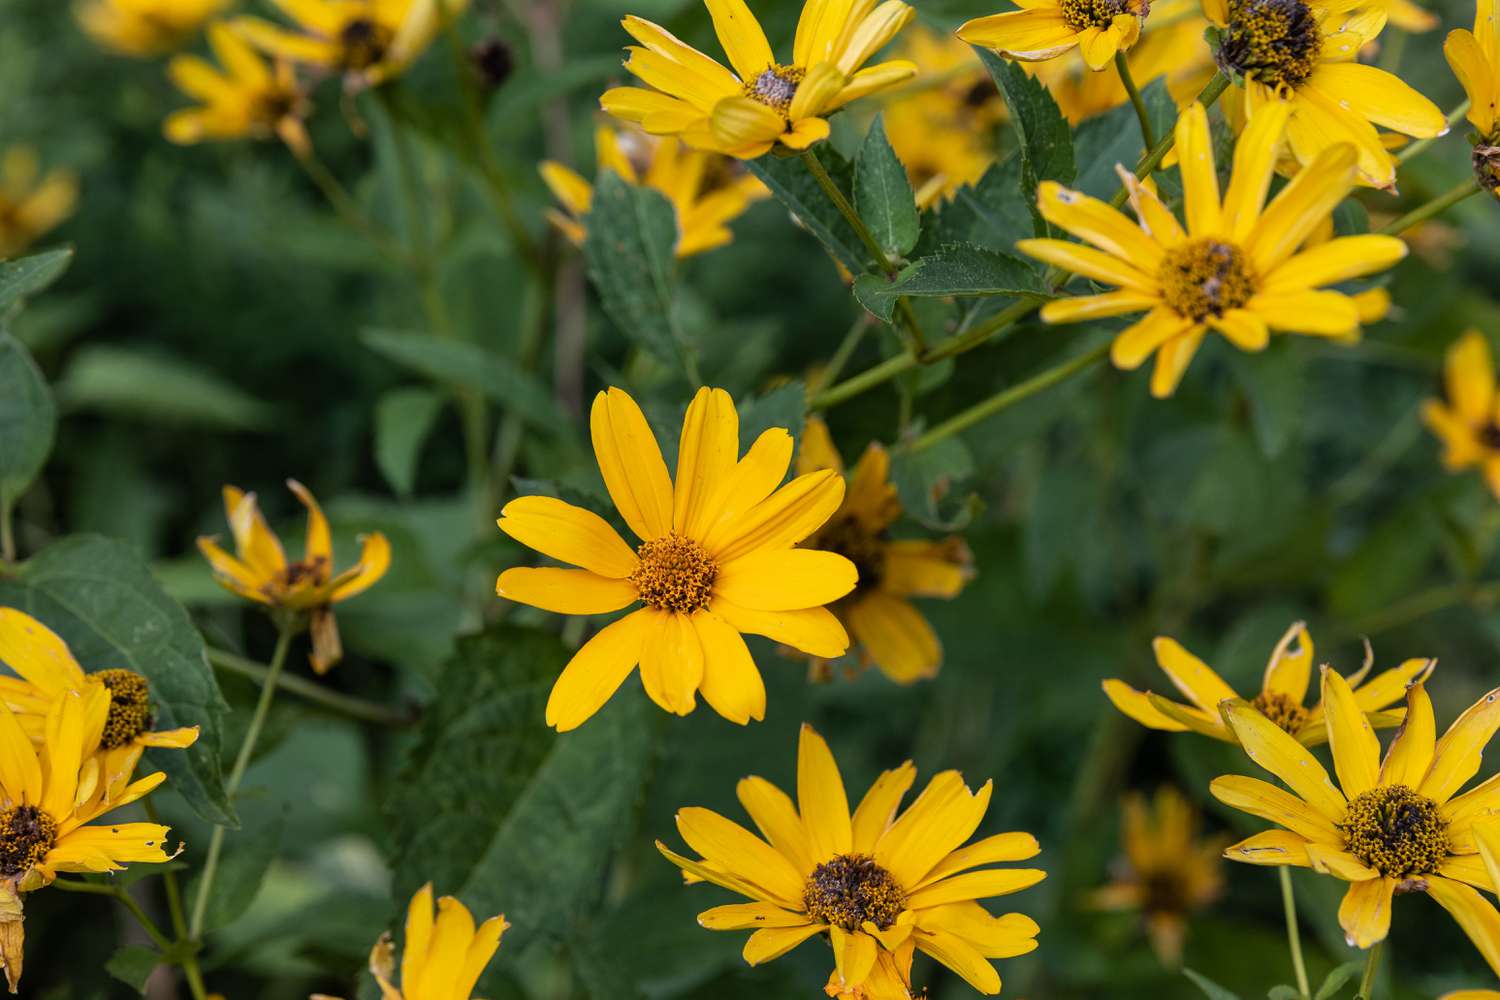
30	203
1468	424
1475	59
145	28
1046	29
246	98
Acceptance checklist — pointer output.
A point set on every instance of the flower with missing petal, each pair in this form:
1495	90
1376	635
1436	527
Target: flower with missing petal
1475	59
1235	268
1045	29
31	204
716	559
247	98
1281	699
1469	423
1389	827
876	883
762	102
145	28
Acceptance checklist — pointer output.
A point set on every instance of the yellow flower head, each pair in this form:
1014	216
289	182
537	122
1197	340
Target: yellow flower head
879	614
745	112
1469	423
1235	268
1388	827
248	98
1304	55
707	190
262	573
31	204
1475	59
877	883
145	27
1168	872
443	958
365	41
715	560
1282	698
1045	29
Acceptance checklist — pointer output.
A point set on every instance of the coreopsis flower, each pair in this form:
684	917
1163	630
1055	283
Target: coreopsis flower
365	41
1385	828
1039	30
31	204
1282	698
1477	915
716	559
145	28
248	98
1234	269
1475	59
706	190
888	629
876	884
1167	872
262	573
49	797
1469	423
1304	55
762	102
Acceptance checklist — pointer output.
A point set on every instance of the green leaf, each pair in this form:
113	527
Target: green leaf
988	213
1210	989
248	853
99	596
133	965
29	275
792	184
28	420
403	419
1336	980
1273	383
530	819
1046	139
784	406
925	482
630	251
1283	992
957	269
1103	142
156	388
883	196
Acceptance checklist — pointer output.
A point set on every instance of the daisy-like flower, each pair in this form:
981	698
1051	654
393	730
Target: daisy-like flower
1234	269
49	796
145	28
707	190
1477	915
1282	698
1389	827
262	573
31	204
1469	423
879	615
365	41
1045	29
762	102
876	883
715	560
1167	872
1475	59
1304	55
248	98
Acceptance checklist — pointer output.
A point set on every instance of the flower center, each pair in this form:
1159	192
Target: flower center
850	889
776	87
674	574
1165	892
1489	436
1203	277
1282	710
1081	14
26	835
1487	163
364	43
1275	42
314	570
1395	831
852	540
129	707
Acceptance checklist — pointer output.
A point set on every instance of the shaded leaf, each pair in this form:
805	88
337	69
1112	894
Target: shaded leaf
133	965
1105	141
1337	979
473	367
247	856
123	382
29	275
927	483
784	406
28	420
630	250
1046	139
403	419
882	194
987	213
960	269
794	187
1210	989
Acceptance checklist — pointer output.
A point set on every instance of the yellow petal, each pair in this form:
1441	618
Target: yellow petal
777	819
821	798
1335	261
1133	345
1468	868
962	958
694	72
20	770
1029	35
1263	799
816	91
895	635
749	916
1297	208
737	122
815	631
1289	670
785	579
631	464
1467	59
1243	329
772	942
568	534
1459	752
873	32
319	543
1100	224
37	653
1273	847
1200	182
1469	377
1365	914
1341	864
1137	706
742	38
1172	361
756	475
706	457
1192	676
597	670
870	80
1410	753
731	683
1381	97
374	560
1081	308
258	546
1255	156
1089	263
878	808
1283	756
781	520
672	662
1351	738
565	591
705	872
944	816
567	186
1326	314
991	850
739	852
1475	914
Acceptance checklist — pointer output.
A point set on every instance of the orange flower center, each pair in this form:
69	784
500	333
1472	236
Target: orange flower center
1204	277
674	574
129	707
1081	14
1282	710
850	889
26	835
776	86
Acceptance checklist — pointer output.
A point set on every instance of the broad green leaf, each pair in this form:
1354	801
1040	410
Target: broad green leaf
1273	383
1283	992
1337	979
28	420
133	964
926	481
403	419
1210	989
987	213
1046	139
630	251
99	596
1114	139
29	275
883	196
785	406
960	269
797	189
248	853
124	382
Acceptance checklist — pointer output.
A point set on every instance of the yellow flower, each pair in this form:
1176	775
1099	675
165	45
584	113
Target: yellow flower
1234	269
1282	696
365	41
1045	29
48	798
1385	828
145	27
31	205
1291	52
263	574
247	99
716	560
706	190
744	115
1475	59
879	614
1469	424
1477	915
1168	871
874	883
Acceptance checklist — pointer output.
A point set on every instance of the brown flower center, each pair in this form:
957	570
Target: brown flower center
674	574
314	570
852	540
1203	277
850	889
1274	42
1396	831
1081	14
776	86
129	707
1282	710
26	835
363	43
1487	163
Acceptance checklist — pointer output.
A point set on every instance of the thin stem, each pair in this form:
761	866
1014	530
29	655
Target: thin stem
1421	605
841	355
1372	965
7	531
125	900
1293	937
348	210
1421	145
355	708
1143	116
190	970
237	774
1206	97
1436	206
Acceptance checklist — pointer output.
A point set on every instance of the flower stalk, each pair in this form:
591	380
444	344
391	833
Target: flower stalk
1143	116
1436	206
1293	935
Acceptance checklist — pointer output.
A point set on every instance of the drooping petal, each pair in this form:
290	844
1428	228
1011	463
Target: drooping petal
374	560
772	942
1263	799
1459	752
1365	914
895	635
1270	747
1475	914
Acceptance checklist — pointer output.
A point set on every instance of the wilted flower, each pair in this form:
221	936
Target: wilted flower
1469	423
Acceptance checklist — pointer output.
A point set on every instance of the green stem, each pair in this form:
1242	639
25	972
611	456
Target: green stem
1421	145
7	530
1206	97
125	900
348	210
355	708
1293	936
190	970
841	355
1423	604
1148	138
1372	965
237	774
1436	206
